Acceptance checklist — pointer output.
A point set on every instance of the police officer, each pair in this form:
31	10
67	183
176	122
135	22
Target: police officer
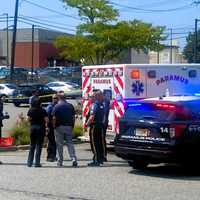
106	104
95	122
51	148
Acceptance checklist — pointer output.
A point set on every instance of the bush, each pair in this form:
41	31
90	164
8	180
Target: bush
77	131
20	133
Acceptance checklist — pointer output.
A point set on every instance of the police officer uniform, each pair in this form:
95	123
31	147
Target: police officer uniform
96	133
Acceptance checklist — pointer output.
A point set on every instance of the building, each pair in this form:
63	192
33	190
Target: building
166	56
44	54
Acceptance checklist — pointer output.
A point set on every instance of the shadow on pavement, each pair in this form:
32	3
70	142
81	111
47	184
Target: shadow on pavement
45	165
169	172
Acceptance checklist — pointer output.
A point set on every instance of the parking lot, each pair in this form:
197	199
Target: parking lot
115	180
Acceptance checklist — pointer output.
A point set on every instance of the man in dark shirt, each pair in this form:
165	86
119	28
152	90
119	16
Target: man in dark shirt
64	119
39	121
51	148
95	122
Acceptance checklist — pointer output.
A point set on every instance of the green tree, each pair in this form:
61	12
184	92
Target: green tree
188	50
99	40
92	11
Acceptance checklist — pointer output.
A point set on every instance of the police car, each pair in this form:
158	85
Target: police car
160	130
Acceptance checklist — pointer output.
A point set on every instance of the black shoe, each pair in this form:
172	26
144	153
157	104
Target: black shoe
94	164
38	165
105	159
50	160
74	163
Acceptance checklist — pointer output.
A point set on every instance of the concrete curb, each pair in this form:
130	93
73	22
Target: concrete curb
26	147
7	149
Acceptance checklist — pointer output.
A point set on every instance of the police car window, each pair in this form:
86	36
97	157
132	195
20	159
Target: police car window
144	111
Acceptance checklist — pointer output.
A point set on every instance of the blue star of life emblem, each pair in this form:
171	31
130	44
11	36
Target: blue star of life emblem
137	88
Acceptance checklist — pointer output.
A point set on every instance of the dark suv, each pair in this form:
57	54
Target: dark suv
24	91
160	131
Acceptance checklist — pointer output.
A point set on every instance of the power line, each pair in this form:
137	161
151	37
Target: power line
45	24
152	10
42	27
157	3
51	10
48	21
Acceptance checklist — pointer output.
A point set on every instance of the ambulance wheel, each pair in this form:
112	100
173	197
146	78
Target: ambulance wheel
138	164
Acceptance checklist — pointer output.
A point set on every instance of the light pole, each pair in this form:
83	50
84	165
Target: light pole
32	57
7	38
14	41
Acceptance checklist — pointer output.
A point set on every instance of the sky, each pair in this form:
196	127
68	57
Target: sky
178	15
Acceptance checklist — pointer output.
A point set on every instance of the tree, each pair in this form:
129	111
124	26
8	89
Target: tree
99	41
188	50
92	11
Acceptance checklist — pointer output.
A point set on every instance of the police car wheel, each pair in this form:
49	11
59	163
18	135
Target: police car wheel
138	164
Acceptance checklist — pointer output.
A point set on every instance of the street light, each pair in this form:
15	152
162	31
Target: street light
7	38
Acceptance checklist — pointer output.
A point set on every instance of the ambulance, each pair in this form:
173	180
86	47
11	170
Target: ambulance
126	82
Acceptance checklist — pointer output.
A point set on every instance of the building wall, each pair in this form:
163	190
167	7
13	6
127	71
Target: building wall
42	51
46	51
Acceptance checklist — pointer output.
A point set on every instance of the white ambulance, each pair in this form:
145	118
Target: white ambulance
125	82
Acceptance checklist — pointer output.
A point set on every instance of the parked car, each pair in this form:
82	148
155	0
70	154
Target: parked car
7	89
61	86
160	130
22	94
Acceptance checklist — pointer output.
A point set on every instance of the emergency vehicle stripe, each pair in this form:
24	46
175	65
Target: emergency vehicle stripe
85	81
117	84
119	80
118	108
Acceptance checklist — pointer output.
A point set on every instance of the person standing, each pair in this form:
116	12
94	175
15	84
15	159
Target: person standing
95	122
51	148
35	96
1	116
39	122
64	120
106	104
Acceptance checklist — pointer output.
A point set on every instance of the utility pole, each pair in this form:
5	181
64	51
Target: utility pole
32	60
158	54
196	41
14	40
7	37
171	46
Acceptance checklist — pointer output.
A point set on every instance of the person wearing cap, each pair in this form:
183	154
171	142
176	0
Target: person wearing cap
51	148
95	122
64	120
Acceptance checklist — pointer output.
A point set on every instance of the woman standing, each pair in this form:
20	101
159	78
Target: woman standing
38	121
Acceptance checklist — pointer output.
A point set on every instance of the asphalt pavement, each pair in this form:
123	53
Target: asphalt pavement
114	181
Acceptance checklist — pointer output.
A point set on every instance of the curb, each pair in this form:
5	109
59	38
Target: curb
26	147
7	149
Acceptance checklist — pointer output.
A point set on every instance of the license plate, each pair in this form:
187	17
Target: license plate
141	132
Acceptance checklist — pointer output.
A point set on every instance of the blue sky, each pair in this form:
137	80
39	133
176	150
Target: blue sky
180	16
